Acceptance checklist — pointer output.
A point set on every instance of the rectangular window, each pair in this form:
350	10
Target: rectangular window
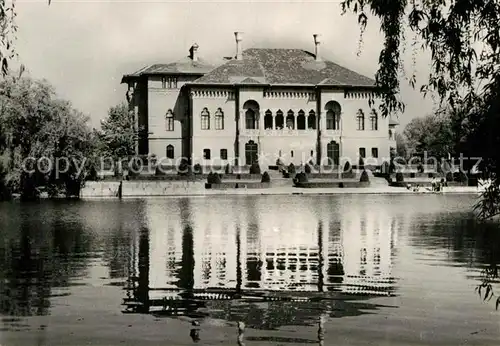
223	154
312	152
291	153
206	154
362	152
375	152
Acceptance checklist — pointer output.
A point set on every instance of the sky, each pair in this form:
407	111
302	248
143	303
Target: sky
83	48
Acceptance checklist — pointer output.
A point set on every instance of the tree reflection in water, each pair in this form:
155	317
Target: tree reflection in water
473	242
38	257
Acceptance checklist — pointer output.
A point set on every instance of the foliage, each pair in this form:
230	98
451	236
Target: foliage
364	177
347	167
432	135
401	145
117	133
255	168
485	289
36	124
301	178
361	163
213	178
184	168
291	168
197	169
265	178
307	169
385	168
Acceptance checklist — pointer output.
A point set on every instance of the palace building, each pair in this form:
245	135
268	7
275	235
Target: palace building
262	104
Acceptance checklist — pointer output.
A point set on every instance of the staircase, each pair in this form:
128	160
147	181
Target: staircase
376	181
277	179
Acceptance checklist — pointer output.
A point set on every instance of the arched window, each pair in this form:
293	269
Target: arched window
251	153
268	120
170	151
290	120
311	120
250	120
205	119
279	121
374	120
219	119
333	111
360	120
301	120
169	120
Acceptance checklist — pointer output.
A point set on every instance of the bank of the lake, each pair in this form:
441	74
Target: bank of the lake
134	189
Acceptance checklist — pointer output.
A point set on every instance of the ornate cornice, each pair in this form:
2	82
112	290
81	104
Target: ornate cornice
207	93
350	94
311	96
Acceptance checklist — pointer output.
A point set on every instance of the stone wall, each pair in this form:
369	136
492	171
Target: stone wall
100	189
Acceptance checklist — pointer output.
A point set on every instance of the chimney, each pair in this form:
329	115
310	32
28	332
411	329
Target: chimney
239	52
193	52
317	42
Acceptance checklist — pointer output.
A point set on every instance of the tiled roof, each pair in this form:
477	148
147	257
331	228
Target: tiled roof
183	66
281	67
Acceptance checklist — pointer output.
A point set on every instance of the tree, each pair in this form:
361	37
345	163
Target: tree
432	135
35	125
401	146
463	37
117	133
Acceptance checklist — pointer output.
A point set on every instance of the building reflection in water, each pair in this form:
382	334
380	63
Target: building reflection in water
251	264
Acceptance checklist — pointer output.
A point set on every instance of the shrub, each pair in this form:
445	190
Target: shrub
399	177
213	178
183	169
347	167
385	168
265	178
449	176
291	168
255	168
392	167
197	169
364	177
135	168
307	168
462	177
92	175
228	169
300	178
361	163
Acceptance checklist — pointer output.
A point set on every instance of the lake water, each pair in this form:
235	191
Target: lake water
398	268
